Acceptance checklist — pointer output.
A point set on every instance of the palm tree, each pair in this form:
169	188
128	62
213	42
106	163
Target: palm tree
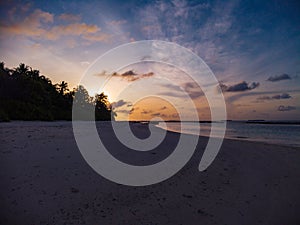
22	69
34	73
63	87
2	66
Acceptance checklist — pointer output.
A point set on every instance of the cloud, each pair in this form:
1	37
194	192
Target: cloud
30	26
274	97
144	111
69	17
158	114
130	75
240	95
85	63
279	77
239	87
193	90
147	75
117	22
172	94
39	25
124	111
98	37
171	87
119	103
190	88
74	29
282	108
134	109
171	21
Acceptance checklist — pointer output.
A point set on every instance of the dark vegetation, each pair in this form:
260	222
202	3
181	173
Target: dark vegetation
25	94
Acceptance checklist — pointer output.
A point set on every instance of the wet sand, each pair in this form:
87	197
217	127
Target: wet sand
45	180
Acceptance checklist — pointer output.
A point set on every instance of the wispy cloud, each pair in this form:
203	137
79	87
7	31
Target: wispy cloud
116	22
123	111
282	108
276	78
159	114
40	25
275	97
193	90
240	95
69	17
189	88
144	111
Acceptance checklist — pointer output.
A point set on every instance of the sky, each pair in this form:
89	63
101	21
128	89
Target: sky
252	48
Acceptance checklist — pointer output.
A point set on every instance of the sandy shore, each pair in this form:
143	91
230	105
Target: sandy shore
45	180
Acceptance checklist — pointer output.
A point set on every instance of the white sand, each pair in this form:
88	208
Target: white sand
45	180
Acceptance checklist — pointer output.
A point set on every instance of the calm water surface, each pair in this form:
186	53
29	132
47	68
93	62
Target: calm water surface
284	134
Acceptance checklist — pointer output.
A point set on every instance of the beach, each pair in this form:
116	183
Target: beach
45	180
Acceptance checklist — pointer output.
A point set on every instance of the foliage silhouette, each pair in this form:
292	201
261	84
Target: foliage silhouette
27	95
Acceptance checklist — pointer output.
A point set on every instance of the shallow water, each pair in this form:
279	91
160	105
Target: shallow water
283	134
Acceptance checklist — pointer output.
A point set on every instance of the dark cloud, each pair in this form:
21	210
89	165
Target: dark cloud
274	97
195	94
279	77
145	75
126	111
282	96
190	88
133	109
243	86
190	85
163	108
119	103
283	108
193	90
158	114
169	116
123	111
240	95
129	75
132	76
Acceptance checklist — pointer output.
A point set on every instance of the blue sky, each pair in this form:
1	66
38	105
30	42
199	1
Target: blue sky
241	41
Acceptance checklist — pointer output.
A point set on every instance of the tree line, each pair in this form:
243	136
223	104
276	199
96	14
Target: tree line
25	94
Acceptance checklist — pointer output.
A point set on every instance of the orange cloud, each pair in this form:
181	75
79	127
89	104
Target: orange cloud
38	25
103	37
75	29
30	26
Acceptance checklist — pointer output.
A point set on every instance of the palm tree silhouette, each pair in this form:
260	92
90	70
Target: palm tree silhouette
63	87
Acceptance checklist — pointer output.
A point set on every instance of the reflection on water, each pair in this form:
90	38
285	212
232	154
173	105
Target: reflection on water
284	134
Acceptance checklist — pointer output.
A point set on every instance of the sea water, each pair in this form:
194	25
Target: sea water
283	134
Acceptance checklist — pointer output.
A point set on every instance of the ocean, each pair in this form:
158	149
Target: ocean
282	134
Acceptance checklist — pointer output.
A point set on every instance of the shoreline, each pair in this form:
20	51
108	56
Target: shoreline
242	139
62	122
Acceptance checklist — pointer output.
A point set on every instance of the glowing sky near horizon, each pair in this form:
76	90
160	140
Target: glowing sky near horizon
252	47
